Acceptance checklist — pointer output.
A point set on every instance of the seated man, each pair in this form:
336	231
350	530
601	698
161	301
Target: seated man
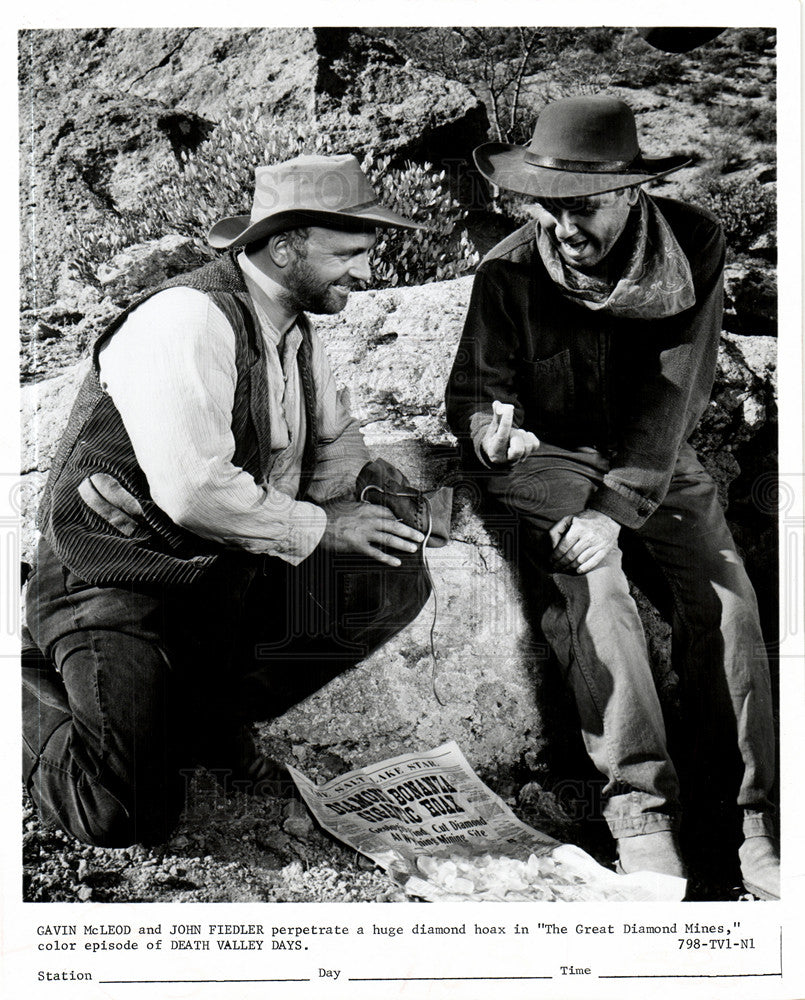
202	551
586	361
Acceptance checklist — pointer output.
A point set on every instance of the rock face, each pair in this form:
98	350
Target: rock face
101	110
750	298
205	70
86	162
145	265
369	97
491	686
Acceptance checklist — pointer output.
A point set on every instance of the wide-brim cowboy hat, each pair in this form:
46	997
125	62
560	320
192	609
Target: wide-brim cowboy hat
305	191
581	146
678	39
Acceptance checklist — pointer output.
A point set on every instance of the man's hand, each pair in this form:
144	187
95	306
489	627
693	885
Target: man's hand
580	541
501	443
362	527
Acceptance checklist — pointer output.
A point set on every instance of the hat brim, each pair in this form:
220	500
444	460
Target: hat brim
504	165
238	230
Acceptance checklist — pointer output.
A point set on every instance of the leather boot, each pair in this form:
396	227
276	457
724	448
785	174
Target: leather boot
653	852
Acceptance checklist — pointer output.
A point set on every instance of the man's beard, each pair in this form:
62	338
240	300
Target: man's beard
308	293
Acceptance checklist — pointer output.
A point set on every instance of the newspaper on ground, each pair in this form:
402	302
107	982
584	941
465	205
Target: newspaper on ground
437	829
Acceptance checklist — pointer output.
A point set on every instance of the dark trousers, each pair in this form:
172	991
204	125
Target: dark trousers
126	688
592	625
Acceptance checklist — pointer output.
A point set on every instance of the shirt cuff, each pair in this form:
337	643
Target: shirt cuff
306	526
622	504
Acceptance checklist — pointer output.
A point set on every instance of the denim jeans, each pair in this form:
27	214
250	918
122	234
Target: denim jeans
126	688
592	625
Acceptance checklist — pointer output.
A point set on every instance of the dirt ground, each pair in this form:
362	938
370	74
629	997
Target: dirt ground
247	849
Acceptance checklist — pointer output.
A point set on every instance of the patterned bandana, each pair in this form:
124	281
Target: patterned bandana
655	283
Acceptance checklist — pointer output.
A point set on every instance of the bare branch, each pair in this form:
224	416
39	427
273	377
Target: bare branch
535	37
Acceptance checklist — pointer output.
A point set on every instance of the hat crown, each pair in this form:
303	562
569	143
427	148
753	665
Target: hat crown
581	146
596	129
310	183
308	190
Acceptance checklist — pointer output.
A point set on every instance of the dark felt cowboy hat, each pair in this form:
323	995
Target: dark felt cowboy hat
581	146
307	191
678	39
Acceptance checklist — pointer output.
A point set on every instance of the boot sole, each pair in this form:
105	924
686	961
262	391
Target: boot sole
760	893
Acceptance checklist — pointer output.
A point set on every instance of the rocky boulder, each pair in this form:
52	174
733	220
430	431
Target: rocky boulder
86	158
146	265
102	111
490	685
750	297
339	77
369	97
208	71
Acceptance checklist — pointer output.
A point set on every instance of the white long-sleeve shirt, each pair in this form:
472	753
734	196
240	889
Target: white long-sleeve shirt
170	370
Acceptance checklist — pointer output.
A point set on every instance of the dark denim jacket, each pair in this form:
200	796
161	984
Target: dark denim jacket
632	389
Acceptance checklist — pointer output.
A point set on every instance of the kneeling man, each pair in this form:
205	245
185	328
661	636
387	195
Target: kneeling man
203	558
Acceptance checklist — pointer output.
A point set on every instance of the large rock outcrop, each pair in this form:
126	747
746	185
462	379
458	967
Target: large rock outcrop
369	97
101	110
209	71
490	685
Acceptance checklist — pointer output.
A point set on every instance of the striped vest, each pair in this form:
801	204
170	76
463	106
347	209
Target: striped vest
96	510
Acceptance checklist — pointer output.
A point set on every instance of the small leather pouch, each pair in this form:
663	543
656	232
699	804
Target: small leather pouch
428	511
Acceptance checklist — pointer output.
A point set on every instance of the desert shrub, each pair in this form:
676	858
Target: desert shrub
757	120
600	40
217	180
93	247
414	257
725	153
643	67
718	59
755	41
191	193
707	90
746	208
499	63
751	89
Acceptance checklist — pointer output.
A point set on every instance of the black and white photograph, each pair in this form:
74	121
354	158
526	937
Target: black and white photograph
404	515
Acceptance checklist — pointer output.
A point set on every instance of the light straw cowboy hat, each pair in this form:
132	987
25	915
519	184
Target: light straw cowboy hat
305	191
581	146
